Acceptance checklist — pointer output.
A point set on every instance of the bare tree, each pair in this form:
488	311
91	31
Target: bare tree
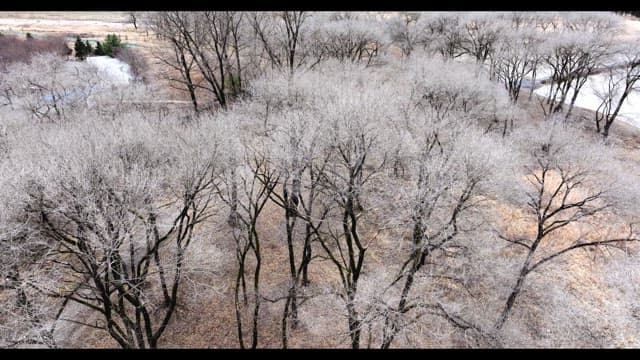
564	190
405	31
347	37
572	56
214	42
49	88
302	160
29	320
445	34
133	18
448	172
442	88
620	82
282	36
354	138
109	235
481	31
179	60
516	57
597	22
246	188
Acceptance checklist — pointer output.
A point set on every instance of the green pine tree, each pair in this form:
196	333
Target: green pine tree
107	48
88	48
99	50
114	40
80	48
111	43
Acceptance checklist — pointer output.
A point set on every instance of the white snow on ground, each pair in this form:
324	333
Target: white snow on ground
588	99
615	60
543	72
112	69
631	28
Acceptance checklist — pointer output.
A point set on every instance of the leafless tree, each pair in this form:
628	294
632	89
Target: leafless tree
283	36
445	33
110	228
51	89
572	56
564	189
179	60
214	41
444	92
347	37
133	18
405	31
356	158
481	31
28	320
620	82
437	203
246	188
516	57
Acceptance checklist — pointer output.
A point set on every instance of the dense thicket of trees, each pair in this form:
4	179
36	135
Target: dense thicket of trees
338	179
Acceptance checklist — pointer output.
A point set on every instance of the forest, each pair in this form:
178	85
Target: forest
323	180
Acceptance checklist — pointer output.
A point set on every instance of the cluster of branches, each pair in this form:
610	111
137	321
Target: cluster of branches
219	53
516	47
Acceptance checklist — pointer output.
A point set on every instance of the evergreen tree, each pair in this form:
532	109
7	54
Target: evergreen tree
111	43
107	48
80	48
88	48
114	40
99	50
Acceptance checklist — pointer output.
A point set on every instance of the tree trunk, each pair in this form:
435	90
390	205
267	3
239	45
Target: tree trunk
611	118
354	322
512	298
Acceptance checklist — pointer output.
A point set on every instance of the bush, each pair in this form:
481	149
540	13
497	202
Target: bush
130	56
15	49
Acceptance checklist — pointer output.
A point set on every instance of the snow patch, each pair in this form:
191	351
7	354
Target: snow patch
114	70
588	99
543	72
